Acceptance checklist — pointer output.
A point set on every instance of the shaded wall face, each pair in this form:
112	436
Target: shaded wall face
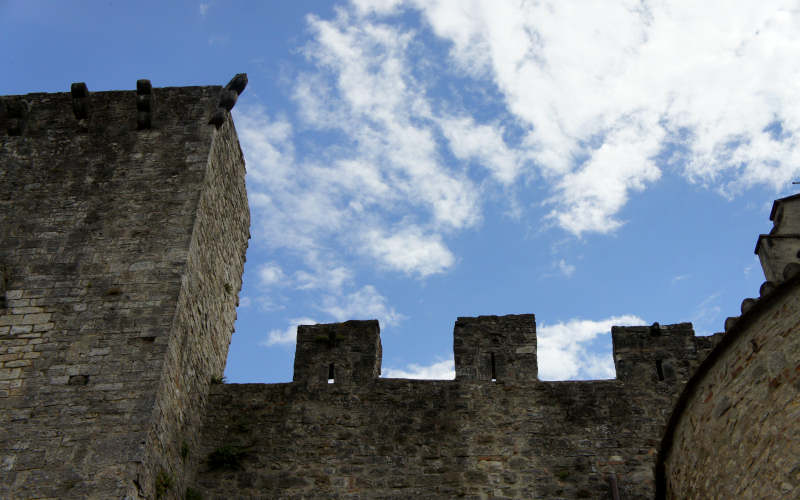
204	319
665	355
341	353
385	438
430	439
739	435
96	224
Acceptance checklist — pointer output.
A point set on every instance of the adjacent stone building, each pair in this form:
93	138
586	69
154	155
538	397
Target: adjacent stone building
124	225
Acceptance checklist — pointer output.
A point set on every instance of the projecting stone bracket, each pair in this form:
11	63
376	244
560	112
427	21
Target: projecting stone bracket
227	99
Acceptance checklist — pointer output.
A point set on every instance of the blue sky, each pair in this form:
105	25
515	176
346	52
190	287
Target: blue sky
416	161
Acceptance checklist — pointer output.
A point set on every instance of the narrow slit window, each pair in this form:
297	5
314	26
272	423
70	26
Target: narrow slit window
494	370
3	303
331	376
659	370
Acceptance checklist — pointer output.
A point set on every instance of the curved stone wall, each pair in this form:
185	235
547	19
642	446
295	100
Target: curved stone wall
736	430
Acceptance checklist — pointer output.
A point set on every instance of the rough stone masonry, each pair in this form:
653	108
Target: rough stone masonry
124	225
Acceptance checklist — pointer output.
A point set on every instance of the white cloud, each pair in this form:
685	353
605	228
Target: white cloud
483	144
388	172
606	91
410	251
270	303
289	335
245	302
562	353
440	370
365	303
378	104
204	6
270	149
566	269
330	278
270	274
707	317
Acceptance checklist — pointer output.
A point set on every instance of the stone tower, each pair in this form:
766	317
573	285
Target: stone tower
782	245
124	224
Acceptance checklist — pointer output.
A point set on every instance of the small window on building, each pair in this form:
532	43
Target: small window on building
331	376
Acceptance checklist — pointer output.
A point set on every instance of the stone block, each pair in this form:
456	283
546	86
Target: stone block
10	373
30	319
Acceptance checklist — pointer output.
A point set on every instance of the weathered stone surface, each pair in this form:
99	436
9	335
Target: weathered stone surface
738	435
766	288
106	362
496	348
237	83
791	270
747	304
342	353
391	438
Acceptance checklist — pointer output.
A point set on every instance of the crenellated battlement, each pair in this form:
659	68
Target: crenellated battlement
118	112
657	353
495	349
342	353
495	428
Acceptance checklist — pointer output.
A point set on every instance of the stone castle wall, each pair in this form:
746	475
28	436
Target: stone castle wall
123	234
736	432
466	438
123	230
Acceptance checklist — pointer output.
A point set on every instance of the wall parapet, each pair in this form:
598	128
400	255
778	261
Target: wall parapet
110	113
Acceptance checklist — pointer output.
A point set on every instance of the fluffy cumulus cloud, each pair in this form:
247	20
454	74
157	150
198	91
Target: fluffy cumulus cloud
410	251
563	349
365	303
607	90
565	268
440	370
270	274
288	336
